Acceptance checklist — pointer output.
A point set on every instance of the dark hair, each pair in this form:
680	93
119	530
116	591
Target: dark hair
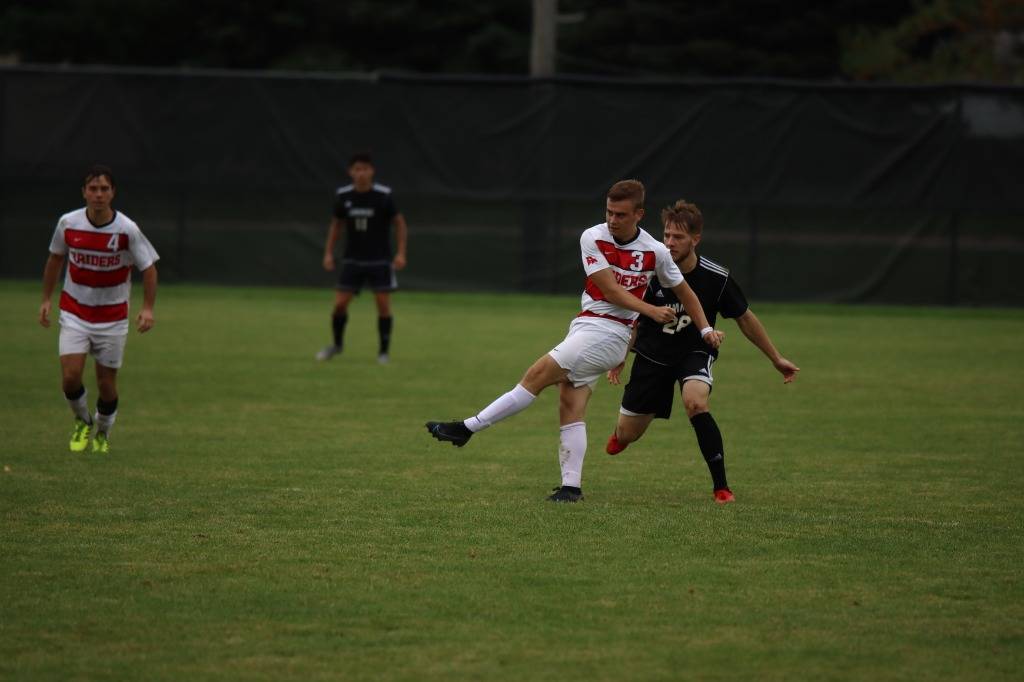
96	171
360	157
685	215
628	189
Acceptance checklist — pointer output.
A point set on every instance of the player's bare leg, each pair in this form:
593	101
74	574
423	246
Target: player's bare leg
106	406
628	430
541	374
384	324
572	437
695	398
71	368
339	318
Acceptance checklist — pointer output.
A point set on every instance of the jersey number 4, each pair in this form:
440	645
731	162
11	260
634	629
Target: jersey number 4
673	327
114	242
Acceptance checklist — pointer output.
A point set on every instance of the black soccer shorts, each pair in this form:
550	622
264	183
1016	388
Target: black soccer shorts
652	387
378	275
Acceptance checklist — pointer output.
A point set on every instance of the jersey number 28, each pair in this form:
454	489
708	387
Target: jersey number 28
673	327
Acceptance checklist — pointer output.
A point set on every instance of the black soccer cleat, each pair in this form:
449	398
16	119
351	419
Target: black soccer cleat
566	493
455	433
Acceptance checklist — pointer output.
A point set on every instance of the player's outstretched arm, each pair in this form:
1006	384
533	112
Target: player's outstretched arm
401	239
758	335
145	320
616	294
693	308
50	273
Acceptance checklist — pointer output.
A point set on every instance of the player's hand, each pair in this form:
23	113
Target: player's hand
144	322
662	314
44	314
787	369
714	338
328	262
399	262
614	372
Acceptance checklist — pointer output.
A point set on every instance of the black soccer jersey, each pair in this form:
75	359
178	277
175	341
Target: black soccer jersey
367	217
669	343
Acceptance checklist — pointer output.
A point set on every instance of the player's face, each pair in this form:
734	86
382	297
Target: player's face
98	193
622	217
679	241
361	173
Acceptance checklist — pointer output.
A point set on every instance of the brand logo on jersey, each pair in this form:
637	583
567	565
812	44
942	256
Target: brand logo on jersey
591	260
348	203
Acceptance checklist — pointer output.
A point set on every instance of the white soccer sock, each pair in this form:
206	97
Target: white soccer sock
105	422
572	448
513	402
79	407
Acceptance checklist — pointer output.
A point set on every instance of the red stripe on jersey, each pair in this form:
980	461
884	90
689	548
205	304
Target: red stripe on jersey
94	241
94	313
627	259
620	320
98	278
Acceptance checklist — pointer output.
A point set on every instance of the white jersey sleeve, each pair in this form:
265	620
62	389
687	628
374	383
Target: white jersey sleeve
57	244
143	253
593	259
667	271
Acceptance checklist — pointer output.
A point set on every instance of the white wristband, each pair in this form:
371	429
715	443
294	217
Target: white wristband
705	331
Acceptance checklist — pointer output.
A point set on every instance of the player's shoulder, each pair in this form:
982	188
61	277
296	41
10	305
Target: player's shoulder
72	218
124	222
345	189
710	266
597	232
382	189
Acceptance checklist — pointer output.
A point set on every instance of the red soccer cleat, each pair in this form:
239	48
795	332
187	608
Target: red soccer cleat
614	447
724	496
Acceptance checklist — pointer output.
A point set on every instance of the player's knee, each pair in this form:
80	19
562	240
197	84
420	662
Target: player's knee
695	406
71	382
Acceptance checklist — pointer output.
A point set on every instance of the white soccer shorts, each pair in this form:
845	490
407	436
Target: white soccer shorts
108	349
593	346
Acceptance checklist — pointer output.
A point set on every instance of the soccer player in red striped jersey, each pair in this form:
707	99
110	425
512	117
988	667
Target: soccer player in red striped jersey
101	246
619	259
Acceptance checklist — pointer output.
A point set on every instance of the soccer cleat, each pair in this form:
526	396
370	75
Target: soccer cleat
565	493
614	447
80	436
383	359
328	352
455	433
724	496
100	444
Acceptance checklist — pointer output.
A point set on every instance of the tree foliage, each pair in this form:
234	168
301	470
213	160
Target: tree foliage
859	39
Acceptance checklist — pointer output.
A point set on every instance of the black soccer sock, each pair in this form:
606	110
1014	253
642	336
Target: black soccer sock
75	395
709	438
338	321
106	408
384	328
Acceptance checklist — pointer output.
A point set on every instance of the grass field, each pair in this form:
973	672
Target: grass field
263	517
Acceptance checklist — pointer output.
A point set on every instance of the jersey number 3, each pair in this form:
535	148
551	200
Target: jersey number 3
673	327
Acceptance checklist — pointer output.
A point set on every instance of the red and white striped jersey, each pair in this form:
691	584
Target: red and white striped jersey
98	280
634	264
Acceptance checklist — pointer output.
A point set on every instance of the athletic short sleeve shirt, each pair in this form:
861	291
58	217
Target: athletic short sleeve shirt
98	280
635	264
367	216
669	343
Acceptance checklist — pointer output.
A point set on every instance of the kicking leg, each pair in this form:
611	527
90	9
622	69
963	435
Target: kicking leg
628	430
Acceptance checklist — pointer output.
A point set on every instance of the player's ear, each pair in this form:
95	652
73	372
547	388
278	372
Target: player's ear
639	214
